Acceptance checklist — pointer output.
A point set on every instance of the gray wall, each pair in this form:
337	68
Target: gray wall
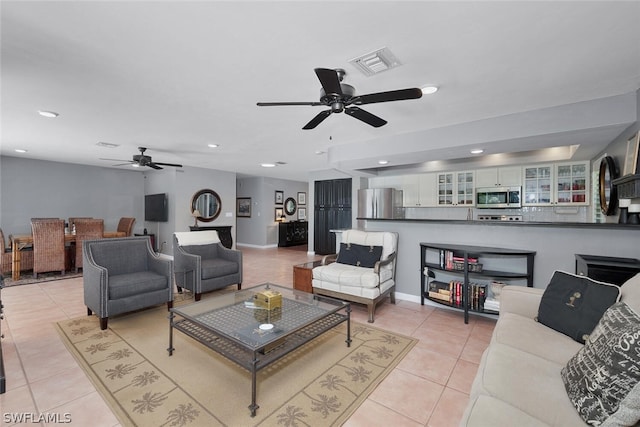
555	246
180	186
36	188
261	229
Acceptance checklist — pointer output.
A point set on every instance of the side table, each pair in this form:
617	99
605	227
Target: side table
302	275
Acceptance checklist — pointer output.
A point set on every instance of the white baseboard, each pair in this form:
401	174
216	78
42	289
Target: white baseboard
257	246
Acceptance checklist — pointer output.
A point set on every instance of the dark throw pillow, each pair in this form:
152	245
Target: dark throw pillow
574	304
359	255
603	379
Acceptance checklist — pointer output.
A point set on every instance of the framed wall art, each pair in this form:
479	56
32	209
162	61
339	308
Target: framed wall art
243	207
279	197
631	158
302	198
302	214
279	215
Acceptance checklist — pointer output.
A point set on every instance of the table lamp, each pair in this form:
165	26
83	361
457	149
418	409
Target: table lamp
195	214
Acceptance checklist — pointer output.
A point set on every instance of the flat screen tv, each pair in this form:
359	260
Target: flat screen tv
156	207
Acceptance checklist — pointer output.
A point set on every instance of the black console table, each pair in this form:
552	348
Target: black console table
607	269
293	233
224	233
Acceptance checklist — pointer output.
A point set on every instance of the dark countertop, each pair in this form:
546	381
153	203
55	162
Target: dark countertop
590	225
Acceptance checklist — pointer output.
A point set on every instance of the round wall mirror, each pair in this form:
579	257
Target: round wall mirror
608	193
208	203
290	206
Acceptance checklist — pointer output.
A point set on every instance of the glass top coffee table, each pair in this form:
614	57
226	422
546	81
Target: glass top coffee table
235	326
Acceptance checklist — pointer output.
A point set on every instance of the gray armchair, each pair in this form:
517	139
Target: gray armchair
202	264
122	275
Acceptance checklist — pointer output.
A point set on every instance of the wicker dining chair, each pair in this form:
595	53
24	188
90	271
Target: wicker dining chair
48	246
86	229
6	254
72	220
126	225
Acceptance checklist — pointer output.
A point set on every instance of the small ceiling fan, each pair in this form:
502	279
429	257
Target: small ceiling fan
342	97
144	160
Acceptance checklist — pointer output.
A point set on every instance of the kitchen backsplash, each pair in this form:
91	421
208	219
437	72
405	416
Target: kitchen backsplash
528	213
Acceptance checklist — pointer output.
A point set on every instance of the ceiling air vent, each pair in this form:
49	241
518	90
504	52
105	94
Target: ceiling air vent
375	62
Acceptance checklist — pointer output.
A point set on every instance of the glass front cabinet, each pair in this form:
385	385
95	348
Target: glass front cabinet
456	189
564	184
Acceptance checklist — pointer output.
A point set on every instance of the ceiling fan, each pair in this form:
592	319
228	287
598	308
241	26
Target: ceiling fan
144	160
342	97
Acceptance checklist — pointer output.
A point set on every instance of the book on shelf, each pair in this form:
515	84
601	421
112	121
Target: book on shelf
447	259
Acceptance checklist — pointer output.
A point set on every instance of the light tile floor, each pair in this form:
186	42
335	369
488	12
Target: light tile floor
428	388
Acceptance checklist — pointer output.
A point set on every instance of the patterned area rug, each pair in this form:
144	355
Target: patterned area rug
321	383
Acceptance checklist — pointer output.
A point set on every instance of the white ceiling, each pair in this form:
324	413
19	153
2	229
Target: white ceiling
175	76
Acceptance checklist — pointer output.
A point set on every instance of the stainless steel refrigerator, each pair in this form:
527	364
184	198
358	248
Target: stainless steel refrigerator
380	203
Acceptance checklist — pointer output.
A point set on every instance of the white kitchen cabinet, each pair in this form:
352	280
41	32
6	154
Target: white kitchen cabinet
561	184
394	181
419	190
572	183
455	188
499	177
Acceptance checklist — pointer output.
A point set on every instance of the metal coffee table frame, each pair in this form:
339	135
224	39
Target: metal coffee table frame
229	326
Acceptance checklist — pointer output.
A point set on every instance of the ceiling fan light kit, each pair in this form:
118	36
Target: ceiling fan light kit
341	97
144	160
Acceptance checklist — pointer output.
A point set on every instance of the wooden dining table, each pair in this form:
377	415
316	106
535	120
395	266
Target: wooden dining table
21	241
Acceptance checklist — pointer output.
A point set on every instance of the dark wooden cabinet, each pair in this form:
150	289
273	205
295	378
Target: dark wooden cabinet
607	269
293	233
224	233
332	212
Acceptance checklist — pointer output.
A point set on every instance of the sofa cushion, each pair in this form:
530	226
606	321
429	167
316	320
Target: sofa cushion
359	255
349	275
529	383
574	304
630	291
603	379
527	335
217	267
142	282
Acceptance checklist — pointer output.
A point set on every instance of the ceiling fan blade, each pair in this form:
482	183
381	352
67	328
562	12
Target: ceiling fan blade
153	165
280	104
329	80
393	95
115	160
365	116
167	164
317	119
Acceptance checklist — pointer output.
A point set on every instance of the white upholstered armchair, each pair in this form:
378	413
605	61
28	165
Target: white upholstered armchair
363	271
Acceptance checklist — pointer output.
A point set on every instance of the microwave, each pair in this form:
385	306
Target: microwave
499	197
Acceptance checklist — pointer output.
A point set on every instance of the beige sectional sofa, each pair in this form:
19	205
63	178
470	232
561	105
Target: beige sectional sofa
519	380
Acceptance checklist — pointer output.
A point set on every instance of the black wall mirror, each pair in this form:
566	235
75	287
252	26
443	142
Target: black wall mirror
290	206
208	203
608	193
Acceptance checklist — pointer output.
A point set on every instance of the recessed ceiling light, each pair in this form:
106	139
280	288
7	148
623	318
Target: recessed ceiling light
383	162
20	150
212	145
268	165
428	90
49	114
319	152
477	151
